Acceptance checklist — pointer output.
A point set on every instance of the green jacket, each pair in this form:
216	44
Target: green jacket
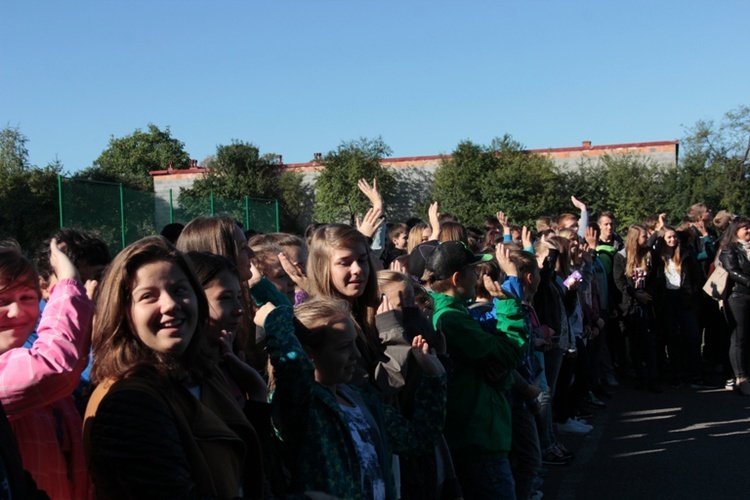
316	439
478	416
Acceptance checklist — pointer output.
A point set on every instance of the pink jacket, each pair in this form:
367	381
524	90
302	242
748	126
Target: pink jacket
36	386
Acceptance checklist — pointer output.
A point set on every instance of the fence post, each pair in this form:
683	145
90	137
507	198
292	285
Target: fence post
60	199
122	214
247	213
171	210
211	198
277	214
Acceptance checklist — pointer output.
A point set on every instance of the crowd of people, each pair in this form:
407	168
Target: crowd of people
414	360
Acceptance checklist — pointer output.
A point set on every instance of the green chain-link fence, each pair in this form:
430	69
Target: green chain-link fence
120	215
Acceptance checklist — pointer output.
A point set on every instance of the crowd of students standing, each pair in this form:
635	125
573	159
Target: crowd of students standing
400	360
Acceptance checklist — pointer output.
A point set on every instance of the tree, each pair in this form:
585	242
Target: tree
14	156
28	194
337	197
129	159
477	181
239	170
715	169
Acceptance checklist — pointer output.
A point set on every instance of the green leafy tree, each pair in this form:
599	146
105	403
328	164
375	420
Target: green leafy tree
239	170
129	159
14	156
28	194
477	181
715	168
337	197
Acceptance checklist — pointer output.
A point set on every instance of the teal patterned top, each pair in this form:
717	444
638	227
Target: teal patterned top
318	447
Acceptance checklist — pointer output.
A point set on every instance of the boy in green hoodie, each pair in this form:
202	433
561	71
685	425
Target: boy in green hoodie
478	420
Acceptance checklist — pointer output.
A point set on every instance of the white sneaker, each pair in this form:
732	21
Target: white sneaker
570	426
582	422
536	495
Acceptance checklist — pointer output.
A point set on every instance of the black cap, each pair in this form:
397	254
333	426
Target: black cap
451	257
418	258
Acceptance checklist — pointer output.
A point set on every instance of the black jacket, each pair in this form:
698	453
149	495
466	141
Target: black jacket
626	285
735	261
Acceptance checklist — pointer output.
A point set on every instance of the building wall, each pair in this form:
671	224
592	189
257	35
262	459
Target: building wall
415	173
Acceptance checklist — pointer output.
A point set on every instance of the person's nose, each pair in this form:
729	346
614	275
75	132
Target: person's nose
13	310
169	303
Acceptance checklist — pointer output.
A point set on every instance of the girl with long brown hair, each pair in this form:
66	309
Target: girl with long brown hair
633	272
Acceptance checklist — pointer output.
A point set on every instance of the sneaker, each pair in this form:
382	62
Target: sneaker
571	426
611	381
699	383
594	402
581	421
563	451
552	457
729	384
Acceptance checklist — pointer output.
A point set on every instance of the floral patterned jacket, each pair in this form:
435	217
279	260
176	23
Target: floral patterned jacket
317	443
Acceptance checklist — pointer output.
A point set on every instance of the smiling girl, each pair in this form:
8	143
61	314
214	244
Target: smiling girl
341	266
162	419
36	384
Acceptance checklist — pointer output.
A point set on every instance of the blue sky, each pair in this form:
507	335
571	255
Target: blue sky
299	77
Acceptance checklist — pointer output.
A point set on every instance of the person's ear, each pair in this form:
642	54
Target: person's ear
456	279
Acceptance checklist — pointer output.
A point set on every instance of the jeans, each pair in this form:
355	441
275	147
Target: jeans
526	457
486	480
738	305
552	362
643	342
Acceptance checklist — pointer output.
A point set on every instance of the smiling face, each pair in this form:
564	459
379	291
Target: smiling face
336	358
163	308
743	233
350	270
670	238
224	304
19	310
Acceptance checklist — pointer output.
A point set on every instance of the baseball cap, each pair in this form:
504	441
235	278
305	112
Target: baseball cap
418	258
451	257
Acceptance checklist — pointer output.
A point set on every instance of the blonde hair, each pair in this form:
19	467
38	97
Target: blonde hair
323	242
415	236
637	256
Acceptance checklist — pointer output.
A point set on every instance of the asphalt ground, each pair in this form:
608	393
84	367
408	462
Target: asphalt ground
682	444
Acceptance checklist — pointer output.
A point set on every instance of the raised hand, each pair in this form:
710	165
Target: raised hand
295	272
61	263
255	276
590	237
385	305
526	240
371	222
434	221
425	357
372	193
661	222
493	287
578	204
502	254
398	267
503	220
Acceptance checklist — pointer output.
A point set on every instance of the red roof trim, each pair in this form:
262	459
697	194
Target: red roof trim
178	171
402	159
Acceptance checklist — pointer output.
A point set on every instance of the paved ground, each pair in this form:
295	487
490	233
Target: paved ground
682	444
